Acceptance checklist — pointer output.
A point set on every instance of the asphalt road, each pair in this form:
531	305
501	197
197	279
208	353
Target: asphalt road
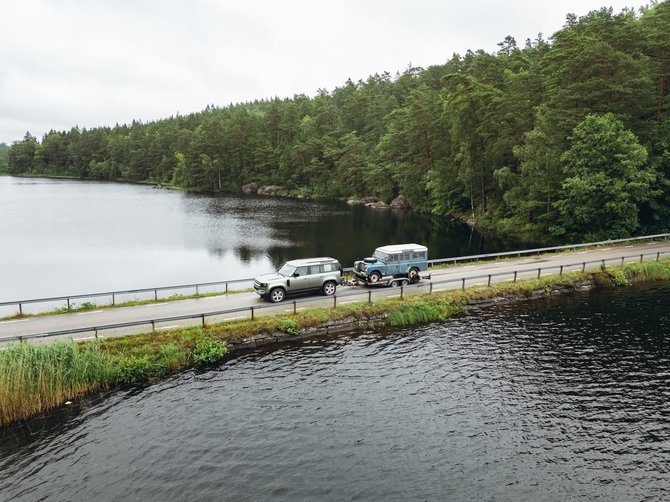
450	278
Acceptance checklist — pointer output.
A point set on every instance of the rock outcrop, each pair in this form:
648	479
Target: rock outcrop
400	202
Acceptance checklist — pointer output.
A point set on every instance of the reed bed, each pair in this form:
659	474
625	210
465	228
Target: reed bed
35	378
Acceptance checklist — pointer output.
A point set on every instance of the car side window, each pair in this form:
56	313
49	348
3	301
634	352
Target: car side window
405	256
326	267
302	271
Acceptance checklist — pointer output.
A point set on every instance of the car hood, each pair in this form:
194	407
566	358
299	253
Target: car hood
269	277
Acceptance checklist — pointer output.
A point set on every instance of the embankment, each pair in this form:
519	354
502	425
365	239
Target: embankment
35	378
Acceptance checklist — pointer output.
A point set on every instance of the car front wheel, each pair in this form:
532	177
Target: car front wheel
329	288
277	295
374	277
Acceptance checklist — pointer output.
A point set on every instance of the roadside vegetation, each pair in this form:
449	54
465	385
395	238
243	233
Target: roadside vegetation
35	378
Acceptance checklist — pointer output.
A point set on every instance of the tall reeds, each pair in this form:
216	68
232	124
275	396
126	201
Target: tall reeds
36	377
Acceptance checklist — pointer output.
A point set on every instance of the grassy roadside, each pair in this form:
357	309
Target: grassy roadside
35	378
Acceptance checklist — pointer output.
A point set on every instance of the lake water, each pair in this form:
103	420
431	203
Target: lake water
62	237
566	398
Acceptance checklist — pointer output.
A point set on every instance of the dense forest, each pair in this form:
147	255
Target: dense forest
556	139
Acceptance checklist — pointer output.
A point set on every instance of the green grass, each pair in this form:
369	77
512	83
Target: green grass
35	378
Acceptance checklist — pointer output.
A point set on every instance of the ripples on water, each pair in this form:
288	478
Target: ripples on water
548	400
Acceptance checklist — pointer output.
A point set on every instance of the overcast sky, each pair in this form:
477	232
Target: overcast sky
101	62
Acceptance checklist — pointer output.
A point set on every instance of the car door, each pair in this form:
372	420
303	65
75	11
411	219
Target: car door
302	280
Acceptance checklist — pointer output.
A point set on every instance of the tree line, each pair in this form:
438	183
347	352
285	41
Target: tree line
557	139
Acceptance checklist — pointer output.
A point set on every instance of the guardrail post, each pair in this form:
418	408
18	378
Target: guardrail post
658	256
95	333
334	301
583	266
113	299
295	307
463	286
561	271
20	309
156	294
641	257
197	290
402	291
68	304
252	313
515	272
603	265
489	280
203	320
226	288
430	291
622	259
539	272
370	296
153	325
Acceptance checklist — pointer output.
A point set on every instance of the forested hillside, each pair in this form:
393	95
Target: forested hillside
561	138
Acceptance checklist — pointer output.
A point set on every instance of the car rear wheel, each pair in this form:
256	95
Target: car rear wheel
329	288
277	295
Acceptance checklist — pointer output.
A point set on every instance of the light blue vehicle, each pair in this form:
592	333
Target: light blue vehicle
393	265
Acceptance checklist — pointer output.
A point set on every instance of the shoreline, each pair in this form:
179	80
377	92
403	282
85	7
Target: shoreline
31	375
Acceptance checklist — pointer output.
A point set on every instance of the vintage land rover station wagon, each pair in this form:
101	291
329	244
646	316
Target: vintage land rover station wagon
398	260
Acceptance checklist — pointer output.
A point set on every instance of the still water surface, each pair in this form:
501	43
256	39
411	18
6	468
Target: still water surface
63	237
551	400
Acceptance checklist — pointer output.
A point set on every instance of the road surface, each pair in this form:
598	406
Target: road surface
450	278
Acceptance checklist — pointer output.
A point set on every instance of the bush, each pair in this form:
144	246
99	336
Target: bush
135	369
209	351
291	327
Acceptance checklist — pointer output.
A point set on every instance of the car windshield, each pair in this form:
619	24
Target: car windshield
287	270
380	255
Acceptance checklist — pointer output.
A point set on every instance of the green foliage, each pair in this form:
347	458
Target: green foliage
135	369
607	179
291	327
482	135
36	377
209	351
421	312
88	306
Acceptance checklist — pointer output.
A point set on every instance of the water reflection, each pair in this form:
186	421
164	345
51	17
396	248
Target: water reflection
69	237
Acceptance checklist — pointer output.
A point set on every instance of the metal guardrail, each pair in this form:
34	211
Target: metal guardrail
367	292
113	294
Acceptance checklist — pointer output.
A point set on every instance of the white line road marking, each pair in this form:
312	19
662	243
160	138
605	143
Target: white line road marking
88	313
606	249
212	297
440	289
651	243
85	338
478	284
235	318
352	301
628	246
393	296
582	252
291	310
170	327
10	322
